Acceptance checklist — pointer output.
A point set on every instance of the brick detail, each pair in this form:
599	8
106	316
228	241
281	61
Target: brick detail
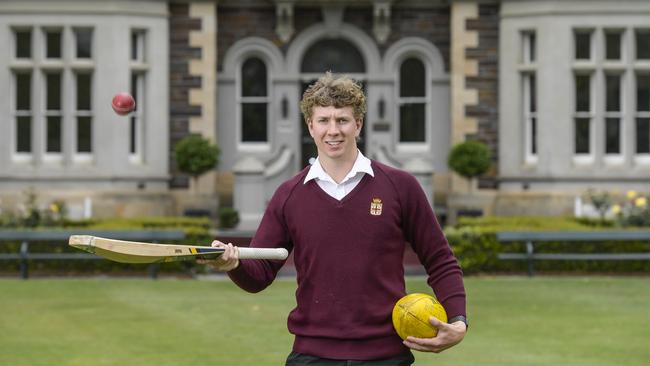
431	24
238	22
204	95
486	82
180	82
462	125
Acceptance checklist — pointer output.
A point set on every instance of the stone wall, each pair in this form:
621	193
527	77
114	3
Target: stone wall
238	22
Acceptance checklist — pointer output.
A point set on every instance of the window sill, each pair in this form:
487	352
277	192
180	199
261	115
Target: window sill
22	158
83	159
583	160
614	160
253	147
410	148
136	160
643	160
52	158
530	161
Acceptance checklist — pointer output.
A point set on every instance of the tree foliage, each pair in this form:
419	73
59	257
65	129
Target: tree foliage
469	159
196	155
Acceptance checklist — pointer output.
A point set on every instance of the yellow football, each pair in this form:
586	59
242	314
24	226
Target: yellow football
411	315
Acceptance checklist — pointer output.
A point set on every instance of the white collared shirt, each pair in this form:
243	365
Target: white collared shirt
339	190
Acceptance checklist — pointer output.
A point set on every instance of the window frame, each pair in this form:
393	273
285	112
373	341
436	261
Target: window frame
18	156
584	158
139	69
529	115
253	146
412	147
639	158
137	118
527	68
78	156
592	45
614	158
40	66
46	113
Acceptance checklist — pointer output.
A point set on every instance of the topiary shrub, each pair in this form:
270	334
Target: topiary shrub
195	155
469	159
228	217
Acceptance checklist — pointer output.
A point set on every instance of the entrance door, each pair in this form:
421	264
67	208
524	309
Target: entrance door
339	56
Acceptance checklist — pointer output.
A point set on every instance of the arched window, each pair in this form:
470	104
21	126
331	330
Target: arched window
336	55
412	101
254	101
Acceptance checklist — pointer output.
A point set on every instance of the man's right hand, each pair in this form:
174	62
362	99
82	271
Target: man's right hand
227	261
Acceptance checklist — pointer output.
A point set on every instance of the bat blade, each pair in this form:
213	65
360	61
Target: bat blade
136	252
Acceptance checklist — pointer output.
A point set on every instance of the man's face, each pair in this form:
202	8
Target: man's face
334	131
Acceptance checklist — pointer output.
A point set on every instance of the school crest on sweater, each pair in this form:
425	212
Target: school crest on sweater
375	207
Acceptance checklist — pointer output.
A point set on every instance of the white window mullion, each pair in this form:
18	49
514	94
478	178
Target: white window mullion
528	101
139	71
583	122
52	144
530	118
136	119
23	121
253	105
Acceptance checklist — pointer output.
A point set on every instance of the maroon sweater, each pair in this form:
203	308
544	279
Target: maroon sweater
349	261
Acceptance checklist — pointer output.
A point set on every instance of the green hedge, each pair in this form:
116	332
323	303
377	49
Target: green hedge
197	231
475	244
473	240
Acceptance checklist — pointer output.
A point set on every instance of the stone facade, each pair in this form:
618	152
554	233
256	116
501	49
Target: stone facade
474	81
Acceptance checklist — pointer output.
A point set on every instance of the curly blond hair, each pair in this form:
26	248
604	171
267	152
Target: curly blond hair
333	91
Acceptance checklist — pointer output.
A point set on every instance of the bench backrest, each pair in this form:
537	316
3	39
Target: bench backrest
63	235
540	236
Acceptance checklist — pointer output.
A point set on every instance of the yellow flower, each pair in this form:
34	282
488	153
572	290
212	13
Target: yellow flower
54	207
616	209
631	195
641	202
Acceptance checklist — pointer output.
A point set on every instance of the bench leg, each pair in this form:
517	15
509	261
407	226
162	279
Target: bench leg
153	270
531	262
24	265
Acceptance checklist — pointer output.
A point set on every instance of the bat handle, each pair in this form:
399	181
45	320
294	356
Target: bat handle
263	253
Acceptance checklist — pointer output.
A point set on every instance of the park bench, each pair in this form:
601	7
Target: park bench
531	239
60	238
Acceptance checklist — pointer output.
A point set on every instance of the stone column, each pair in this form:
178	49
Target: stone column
249	198
204	96
461	68
423	171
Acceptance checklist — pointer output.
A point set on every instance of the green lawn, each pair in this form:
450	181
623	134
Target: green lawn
514	321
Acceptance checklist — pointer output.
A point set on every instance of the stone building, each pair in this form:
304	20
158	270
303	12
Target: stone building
558	90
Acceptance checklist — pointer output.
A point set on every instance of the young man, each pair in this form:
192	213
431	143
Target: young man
347	220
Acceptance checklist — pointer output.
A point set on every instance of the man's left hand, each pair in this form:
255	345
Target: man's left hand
448	336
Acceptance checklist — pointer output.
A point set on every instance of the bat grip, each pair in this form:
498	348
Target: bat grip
263	253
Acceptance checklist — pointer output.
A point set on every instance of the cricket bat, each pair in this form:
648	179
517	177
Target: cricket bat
136	252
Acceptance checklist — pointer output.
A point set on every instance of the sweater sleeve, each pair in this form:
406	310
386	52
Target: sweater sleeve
423	232
254	275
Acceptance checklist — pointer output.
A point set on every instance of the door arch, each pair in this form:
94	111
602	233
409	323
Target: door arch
339	56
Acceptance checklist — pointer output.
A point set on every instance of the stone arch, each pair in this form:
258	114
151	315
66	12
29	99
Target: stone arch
252	47
414	47
364	43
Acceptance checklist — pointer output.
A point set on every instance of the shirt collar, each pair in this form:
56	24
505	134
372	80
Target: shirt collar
361	165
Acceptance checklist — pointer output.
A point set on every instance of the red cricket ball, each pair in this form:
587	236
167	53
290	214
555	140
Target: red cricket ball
123	103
